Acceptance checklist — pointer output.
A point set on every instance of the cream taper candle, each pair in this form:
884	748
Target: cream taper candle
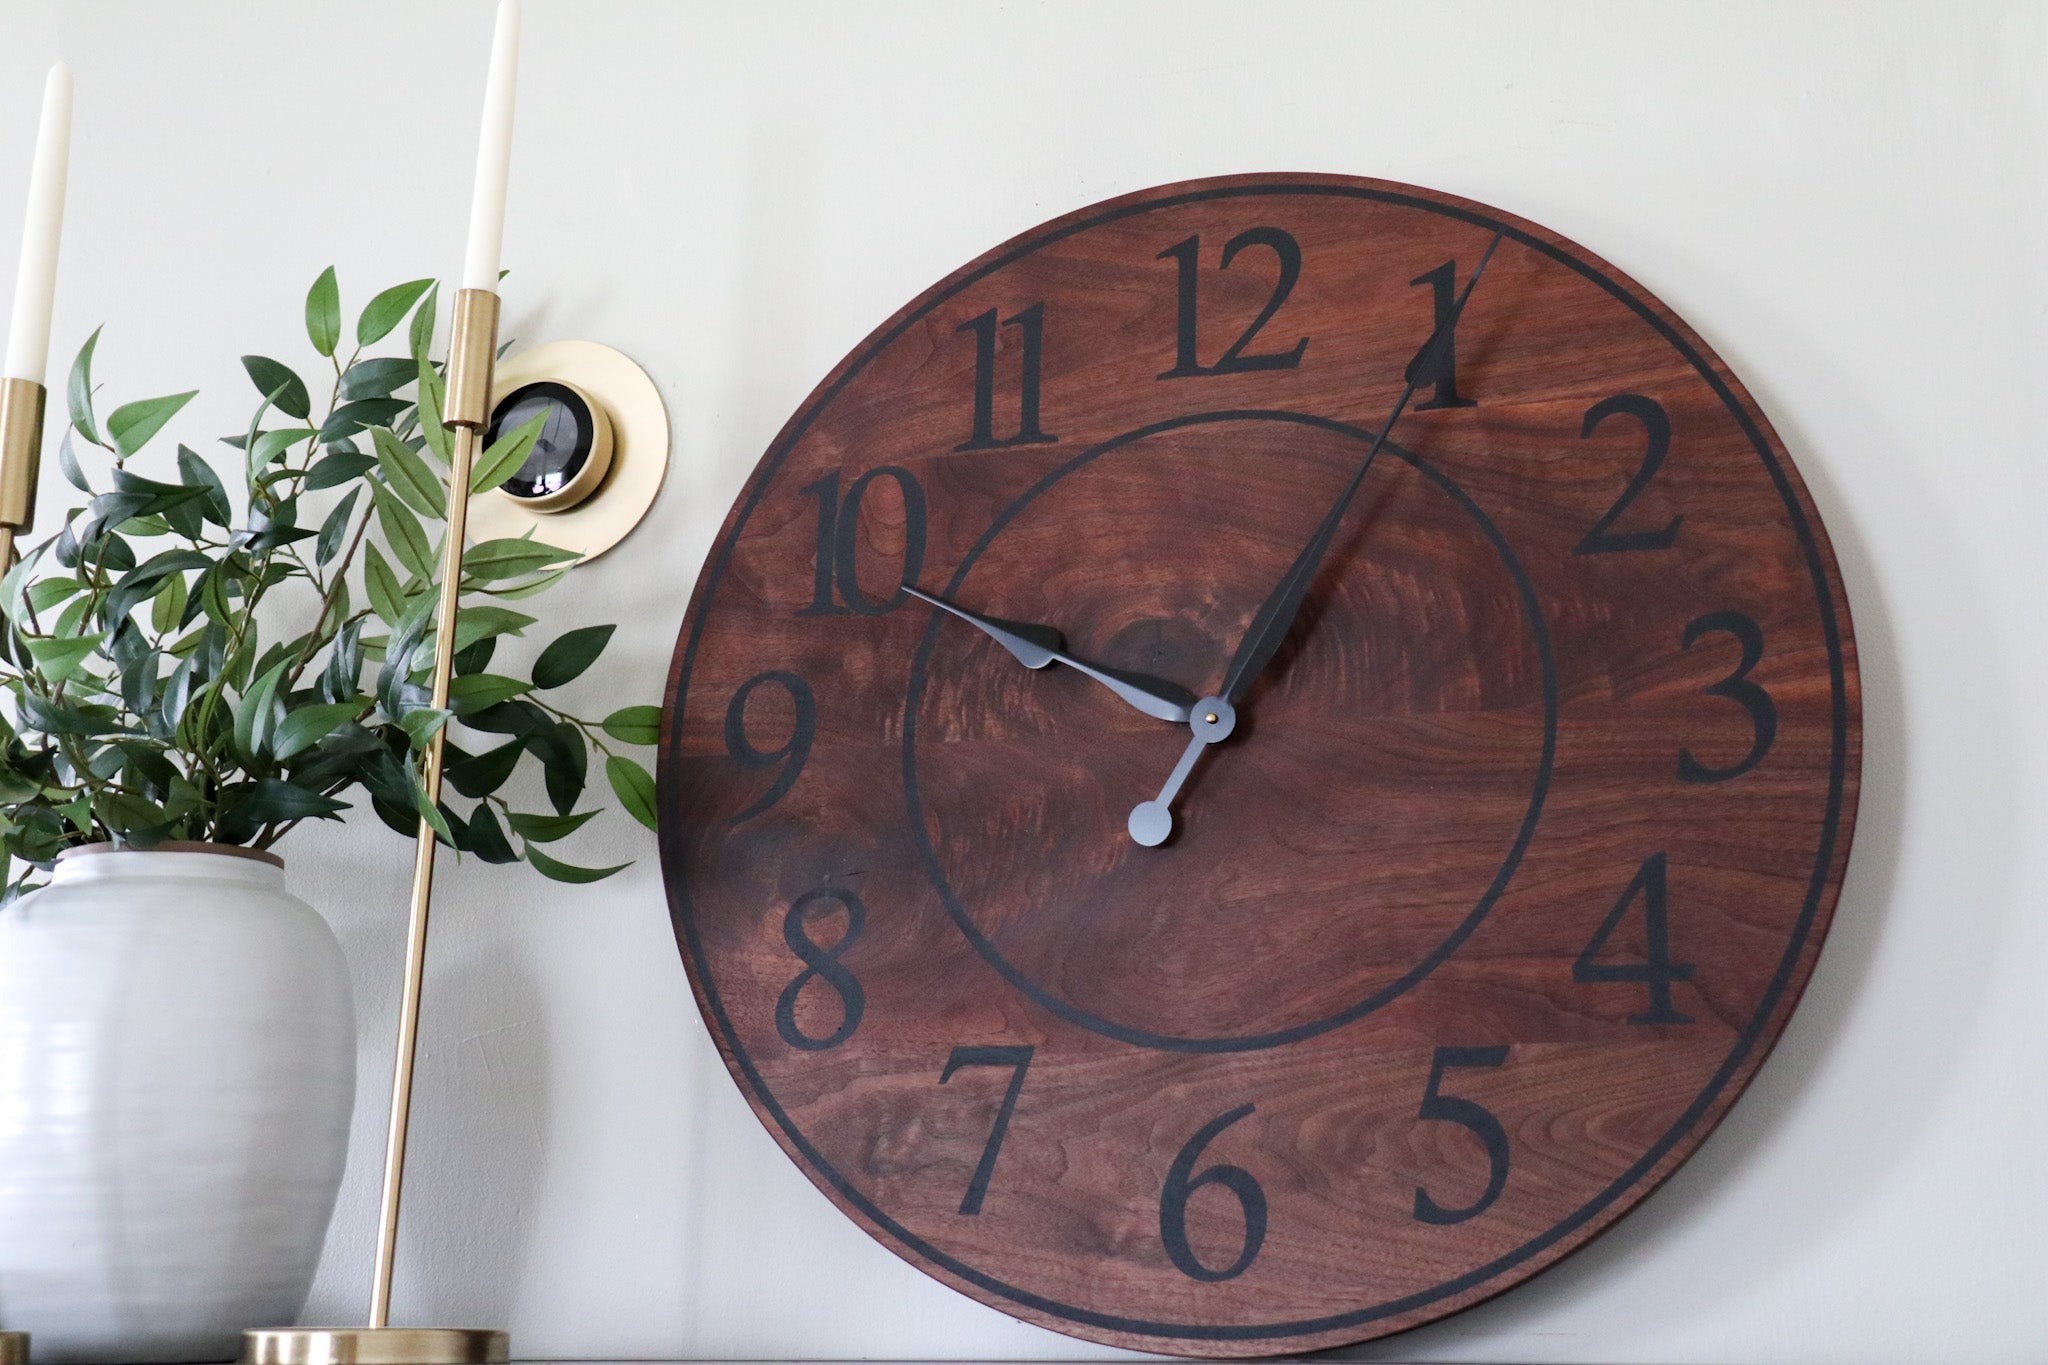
493	155
28	339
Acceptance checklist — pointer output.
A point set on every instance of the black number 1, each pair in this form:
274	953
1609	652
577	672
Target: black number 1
1019	1060
1442	375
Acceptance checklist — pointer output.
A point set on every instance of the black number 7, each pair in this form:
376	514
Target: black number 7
1018	1058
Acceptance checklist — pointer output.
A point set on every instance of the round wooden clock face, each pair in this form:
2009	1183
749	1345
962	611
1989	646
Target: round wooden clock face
1480	897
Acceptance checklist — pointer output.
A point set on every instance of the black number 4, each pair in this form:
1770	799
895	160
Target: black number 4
1656	971
1017	1058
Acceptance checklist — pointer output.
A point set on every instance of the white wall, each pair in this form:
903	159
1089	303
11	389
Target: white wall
1845	199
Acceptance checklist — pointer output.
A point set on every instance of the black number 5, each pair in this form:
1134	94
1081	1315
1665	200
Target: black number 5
1763	712
1472	1116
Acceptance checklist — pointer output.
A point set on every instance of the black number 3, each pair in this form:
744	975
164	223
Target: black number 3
1763	712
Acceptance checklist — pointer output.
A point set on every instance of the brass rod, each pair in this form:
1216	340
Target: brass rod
472	347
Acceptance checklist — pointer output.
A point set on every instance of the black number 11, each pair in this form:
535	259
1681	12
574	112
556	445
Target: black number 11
1030	322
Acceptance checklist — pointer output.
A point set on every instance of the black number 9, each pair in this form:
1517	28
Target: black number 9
792	752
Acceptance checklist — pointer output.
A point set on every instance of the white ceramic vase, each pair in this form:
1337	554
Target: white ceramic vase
177	1067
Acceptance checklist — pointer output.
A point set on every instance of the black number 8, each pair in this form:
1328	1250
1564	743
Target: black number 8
824	965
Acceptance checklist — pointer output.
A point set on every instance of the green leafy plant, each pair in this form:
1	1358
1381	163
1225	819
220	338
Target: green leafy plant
183	663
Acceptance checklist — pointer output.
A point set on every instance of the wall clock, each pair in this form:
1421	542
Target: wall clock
1357	790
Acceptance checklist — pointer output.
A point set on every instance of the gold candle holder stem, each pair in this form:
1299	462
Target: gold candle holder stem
21	459
472	350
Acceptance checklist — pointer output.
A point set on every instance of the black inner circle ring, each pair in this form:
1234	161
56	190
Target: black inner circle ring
1110	1028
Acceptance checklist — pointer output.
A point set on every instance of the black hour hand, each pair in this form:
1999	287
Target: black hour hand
1036	646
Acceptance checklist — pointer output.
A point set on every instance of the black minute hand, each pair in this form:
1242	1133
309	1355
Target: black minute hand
1276	614
1036	646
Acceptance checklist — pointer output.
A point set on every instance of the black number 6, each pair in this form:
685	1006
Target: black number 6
1180	1187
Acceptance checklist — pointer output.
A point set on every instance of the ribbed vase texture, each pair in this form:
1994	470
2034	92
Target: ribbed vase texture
177	1067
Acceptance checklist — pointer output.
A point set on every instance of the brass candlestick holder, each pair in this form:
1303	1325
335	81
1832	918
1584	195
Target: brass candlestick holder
21	458
472	350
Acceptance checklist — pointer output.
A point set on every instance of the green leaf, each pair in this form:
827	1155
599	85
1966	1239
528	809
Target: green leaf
167	611
511	557
403	532
307	726
485	837
381	583
131	425
137	821
388	309
352	417
479	776
45	593
483	621
422	336
323	312
545	829
271	801
478	690
408	475
280	384
337	467
531	588
565	659
506	455
432	815
67	460
635	788
634	724
378	377
58	660
431	394
57	718
197	473
566	872
79	390
254	713
271	444
334	530
421	723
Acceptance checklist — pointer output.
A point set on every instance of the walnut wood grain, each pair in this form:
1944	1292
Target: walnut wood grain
1489	722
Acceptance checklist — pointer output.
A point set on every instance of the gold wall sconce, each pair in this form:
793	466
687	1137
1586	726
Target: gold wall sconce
601	455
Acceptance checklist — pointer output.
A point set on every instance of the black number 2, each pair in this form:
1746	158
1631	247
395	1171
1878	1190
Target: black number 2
1657	429
1472	1116
821	964
1018	1059
1187	363
839	537
1736	687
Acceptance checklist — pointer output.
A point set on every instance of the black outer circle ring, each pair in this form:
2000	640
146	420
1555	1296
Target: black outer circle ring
1478	1277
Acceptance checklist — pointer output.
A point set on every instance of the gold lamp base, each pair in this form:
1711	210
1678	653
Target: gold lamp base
13	1348
371	1346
